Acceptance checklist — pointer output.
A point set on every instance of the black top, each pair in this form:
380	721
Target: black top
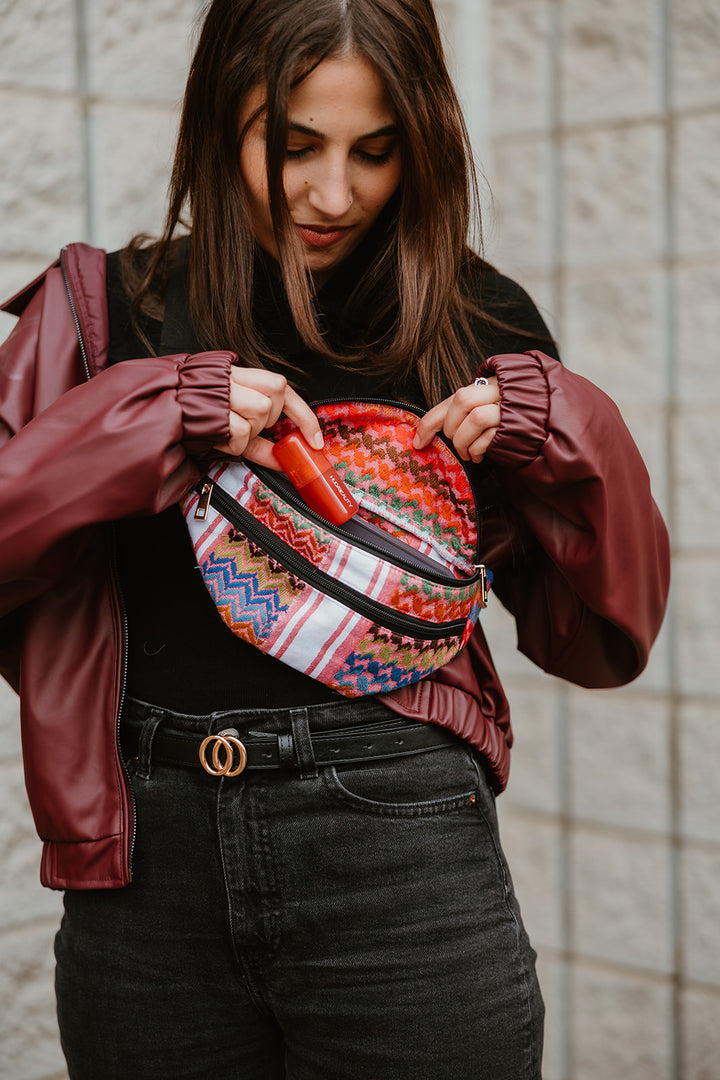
181	655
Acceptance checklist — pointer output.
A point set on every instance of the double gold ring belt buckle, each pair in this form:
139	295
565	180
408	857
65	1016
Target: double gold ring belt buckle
222	754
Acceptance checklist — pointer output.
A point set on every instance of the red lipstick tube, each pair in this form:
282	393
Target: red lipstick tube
315	479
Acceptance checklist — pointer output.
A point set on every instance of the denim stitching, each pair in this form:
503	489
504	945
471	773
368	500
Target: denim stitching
336	788
532	1074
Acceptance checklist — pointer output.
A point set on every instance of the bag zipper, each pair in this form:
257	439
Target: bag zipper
405	562
213	495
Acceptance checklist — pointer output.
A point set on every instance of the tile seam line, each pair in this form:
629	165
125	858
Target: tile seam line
82	94
81	46
665	95
556	239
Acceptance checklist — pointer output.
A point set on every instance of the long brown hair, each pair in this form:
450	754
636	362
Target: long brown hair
420	315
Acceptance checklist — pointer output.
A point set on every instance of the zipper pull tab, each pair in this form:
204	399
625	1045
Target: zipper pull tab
204	501
486	578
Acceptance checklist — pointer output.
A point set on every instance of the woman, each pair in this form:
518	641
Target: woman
306	921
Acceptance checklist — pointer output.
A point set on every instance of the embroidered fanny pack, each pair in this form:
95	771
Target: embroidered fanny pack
364	607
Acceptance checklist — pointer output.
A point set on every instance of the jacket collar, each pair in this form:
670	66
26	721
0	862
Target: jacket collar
84	269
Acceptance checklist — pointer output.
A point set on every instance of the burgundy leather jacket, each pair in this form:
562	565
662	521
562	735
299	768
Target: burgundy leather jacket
580	552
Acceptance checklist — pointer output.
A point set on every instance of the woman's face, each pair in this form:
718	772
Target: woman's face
342	162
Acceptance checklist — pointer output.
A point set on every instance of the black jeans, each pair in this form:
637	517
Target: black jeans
357	924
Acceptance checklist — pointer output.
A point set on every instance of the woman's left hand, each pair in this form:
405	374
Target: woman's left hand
469	419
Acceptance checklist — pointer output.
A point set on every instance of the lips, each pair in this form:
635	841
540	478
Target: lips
322	236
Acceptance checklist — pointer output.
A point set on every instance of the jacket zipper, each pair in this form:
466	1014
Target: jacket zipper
123	690
76	320
118	590
371	609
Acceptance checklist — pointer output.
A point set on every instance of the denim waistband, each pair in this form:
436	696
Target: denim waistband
325	717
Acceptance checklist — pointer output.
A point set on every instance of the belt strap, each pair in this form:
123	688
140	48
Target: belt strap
219	754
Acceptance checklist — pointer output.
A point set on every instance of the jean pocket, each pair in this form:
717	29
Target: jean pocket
437	781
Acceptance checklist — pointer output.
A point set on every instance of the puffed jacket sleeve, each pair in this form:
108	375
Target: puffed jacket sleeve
589	593
122	443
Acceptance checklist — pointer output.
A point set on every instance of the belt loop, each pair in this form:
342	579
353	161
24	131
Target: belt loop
286	751
145	744
303	743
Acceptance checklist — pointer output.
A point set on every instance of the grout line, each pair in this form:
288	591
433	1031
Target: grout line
565	873
472	49
557	247
671	381
556	170
127	101
617	968
118	101
468	47
81	45
597	826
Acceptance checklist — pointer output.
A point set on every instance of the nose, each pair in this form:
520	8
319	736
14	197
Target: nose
331	191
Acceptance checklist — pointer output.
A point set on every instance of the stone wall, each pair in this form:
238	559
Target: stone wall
605	165
89	94
598	123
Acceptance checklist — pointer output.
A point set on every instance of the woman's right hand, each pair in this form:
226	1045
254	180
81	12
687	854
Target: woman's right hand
257	398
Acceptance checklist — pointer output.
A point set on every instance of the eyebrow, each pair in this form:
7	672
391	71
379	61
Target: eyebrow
389	129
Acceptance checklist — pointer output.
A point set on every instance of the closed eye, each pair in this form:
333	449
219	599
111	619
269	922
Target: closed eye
376	159
295	154
381	158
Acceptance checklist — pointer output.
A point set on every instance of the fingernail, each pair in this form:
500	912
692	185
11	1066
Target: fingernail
318	441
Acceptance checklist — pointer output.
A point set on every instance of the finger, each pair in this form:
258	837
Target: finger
449	414
260	451
430	424
257	408
258	394
472	427
240	435
302	415
478	449
465	401
271	383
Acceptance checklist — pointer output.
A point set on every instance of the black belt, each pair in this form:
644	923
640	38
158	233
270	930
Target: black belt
228	753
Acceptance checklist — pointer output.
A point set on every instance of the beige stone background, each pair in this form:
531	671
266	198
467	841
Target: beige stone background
598	127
